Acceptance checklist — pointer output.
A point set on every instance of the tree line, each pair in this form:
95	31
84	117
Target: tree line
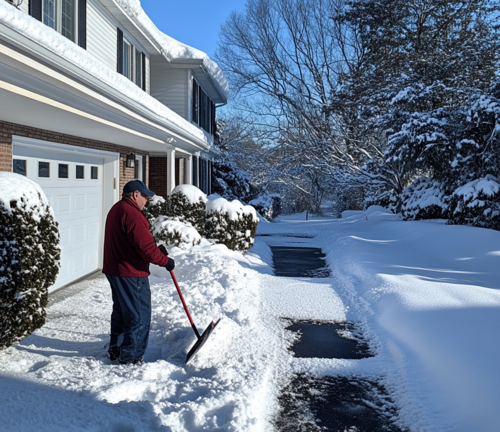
364	102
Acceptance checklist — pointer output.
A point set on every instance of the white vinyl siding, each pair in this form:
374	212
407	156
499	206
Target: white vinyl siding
101	36
148	76
170	87
25	6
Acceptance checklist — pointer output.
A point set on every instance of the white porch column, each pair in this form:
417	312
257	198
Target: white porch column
197	173
170	170
189	170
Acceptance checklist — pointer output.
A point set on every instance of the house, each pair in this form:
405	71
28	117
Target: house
93	95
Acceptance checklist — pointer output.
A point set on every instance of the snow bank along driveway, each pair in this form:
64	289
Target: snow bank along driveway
424	294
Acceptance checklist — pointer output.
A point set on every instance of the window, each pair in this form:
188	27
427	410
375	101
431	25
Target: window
80	172
19	166
61	15
94	172
44	169
131	61
139	170
63	171
203	112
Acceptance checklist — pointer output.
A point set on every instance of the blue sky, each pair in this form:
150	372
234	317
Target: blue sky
194	22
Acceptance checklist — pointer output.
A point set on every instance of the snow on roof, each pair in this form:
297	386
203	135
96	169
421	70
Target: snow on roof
174	49
60	45
15	186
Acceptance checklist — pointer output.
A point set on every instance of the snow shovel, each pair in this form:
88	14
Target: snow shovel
201	338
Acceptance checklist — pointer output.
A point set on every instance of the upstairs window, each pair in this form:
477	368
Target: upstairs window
61	16
131	61
68	17
203	109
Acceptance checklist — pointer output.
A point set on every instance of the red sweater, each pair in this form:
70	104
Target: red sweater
128	245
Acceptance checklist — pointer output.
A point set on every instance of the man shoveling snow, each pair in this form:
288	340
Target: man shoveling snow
129	248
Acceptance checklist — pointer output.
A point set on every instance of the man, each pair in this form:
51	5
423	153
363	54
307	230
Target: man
128	249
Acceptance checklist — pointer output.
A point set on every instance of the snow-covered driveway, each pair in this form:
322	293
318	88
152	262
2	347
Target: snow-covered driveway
425	295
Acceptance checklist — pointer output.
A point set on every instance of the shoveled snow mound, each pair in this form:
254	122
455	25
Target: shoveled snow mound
59	379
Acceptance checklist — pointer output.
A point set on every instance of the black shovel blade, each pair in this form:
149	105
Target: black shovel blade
201	341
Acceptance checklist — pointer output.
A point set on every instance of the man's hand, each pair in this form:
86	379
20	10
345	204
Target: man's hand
163	249
170	265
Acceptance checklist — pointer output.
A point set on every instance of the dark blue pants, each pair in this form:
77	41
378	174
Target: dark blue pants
131	315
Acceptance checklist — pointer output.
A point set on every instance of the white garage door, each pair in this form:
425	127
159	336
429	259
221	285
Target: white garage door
73	184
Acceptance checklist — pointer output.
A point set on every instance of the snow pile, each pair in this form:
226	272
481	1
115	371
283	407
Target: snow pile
172	232
227	386
60	45
477	203
424	199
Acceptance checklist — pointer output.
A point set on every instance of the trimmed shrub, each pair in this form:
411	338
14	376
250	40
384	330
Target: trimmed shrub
231	223
29	257
155	207
188	203
424	199
172	232
477	203
267	205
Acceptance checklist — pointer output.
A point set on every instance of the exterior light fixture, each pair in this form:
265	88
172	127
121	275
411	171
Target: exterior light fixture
130	161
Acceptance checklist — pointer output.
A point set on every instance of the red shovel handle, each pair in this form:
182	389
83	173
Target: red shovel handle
185	305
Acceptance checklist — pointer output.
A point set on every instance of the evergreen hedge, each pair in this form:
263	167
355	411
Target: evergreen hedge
424	199
155	207
29	257
188	204
476	203
172	232
231	223
267	205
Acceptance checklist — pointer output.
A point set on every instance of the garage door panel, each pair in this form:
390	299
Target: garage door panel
63	204
77	205
65	235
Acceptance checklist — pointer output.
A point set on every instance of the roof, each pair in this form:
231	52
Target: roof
168	51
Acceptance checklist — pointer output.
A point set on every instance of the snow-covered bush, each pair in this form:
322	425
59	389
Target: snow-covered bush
349	199
267	205
477	203
424	199
29	256
155	207
188	203
173	232
231	223
231	182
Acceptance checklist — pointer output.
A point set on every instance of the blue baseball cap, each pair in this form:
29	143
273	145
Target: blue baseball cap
139	186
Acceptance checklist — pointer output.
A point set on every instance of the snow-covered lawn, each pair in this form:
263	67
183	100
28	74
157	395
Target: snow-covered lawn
425	295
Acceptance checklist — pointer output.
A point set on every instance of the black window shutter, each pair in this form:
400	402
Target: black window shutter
195	102
119	54
82	23
35	7
143	71
214	123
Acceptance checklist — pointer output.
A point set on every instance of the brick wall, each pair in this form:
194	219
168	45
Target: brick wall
158	175
9	129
